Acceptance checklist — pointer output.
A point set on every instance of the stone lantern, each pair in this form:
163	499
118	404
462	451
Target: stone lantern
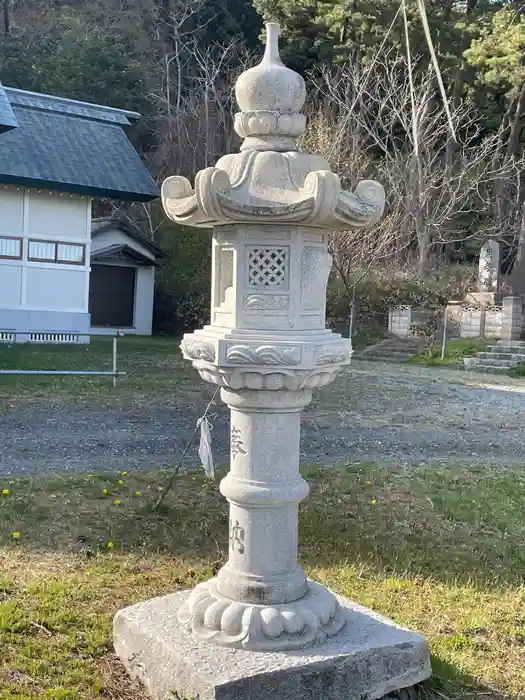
261	628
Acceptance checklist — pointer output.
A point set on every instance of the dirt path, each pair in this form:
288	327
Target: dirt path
374	412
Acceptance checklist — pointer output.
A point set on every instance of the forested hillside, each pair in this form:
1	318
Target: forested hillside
452	179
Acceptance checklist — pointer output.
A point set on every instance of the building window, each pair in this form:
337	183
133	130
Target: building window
55	252
70	253
10	248
42	251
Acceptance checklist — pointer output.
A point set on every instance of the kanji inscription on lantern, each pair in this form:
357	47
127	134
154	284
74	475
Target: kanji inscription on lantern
237	535
237	444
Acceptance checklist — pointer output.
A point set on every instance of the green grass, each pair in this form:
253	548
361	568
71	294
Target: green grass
439	550
455	351
518	370
155	370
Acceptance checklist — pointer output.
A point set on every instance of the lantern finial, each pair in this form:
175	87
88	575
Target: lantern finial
271	97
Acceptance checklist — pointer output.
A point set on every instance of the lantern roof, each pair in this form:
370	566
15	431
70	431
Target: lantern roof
271	180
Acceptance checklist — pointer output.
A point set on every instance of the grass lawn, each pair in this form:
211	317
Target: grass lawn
440	550
155	369
455	351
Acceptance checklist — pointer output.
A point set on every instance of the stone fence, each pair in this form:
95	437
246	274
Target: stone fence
408	321
464	320
479	321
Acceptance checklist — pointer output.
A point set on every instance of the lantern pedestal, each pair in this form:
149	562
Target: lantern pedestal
370	657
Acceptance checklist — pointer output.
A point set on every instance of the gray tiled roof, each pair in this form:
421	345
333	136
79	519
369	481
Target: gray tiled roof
114	223
7	118
72	146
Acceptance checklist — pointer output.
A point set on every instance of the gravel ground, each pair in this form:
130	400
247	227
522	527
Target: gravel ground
374	412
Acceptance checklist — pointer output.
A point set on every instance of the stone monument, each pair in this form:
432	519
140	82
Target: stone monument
261	629
488	276
488	271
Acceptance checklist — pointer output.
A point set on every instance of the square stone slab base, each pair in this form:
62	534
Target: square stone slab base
370	658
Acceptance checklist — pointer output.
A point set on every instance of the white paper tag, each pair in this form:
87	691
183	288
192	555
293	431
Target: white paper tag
205	453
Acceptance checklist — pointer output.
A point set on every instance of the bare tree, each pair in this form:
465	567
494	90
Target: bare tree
432	204
194	116
365	126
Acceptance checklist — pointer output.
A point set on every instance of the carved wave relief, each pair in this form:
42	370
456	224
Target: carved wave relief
266	302
263	355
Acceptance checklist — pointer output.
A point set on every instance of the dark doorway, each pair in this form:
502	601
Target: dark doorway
112	296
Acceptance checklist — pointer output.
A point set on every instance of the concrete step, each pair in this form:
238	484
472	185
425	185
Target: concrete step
392	346
512	343
375	358
487	362
488	369
515	357
507	347
391	354
400	344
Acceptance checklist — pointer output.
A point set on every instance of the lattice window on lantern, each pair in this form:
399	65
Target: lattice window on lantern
267	267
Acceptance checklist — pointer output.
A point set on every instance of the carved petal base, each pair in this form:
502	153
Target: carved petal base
308	621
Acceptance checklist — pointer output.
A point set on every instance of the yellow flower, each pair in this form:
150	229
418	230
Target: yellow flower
117	502
16	535
123	473
121	481
373	501
138	493
105	492
5	492
368	483
109	545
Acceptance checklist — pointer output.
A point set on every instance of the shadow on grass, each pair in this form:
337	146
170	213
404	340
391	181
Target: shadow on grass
448	681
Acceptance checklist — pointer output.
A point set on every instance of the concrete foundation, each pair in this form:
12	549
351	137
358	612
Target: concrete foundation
370	658
23	325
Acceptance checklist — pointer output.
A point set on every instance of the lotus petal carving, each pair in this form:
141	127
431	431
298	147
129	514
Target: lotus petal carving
310	620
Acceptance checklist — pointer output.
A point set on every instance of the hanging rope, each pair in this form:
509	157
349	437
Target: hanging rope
415	134
204	425
363	83
428	37
435	64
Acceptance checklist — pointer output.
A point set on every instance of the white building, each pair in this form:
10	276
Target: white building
56	156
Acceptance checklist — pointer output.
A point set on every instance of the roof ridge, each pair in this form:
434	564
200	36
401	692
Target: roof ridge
12	94
68	146
107	223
